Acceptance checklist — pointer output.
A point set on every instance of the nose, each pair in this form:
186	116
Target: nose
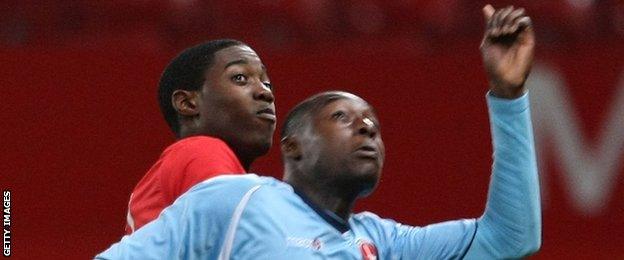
367	127
263	93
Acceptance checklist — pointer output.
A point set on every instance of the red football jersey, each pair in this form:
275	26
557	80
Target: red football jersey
181	166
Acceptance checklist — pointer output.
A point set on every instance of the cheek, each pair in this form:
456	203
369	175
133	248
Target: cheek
231	105
330	151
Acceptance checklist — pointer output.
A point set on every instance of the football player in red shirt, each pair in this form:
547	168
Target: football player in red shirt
217	98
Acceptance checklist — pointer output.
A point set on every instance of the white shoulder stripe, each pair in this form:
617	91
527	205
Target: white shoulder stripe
231	177
226	249
129	217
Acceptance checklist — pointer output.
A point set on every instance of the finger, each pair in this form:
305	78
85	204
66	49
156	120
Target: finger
492	20
525	22
511	21
502	18
494	30
521	23
488	11
512	24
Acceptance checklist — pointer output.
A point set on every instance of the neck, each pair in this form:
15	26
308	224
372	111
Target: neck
244	160
325	195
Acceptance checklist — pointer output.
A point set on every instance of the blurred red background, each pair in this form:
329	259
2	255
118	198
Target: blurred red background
81	123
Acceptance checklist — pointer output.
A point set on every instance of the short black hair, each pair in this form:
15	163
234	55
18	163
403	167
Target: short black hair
299	116
186	71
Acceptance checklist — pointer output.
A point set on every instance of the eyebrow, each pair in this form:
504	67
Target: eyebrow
242	61
236	62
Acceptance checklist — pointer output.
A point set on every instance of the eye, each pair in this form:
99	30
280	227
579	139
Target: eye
340	116
240	78
268	85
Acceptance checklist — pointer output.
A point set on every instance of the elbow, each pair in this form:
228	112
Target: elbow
530	248
532	244
534	236
519	251
535	247
523	242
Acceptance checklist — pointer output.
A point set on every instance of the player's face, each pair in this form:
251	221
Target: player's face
236	102
346	145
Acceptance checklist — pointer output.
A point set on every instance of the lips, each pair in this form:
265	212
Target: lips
266	114
367	152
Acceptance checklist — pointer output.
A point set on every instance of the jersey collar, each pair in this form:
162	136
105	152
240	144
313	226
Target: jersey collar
329	216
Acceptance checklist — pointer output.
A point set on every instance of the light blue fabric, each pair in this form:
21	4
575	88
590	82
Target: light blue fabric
252	217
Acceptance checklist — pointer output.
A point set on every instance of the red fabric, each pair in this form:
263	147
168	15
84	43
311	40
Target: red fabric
181	166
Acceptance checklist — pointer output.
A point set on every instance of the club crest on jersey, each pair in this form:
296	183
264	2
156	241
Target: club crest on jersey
368	250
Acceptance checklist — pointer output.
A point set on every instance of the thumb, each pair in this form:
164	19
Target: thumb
488	11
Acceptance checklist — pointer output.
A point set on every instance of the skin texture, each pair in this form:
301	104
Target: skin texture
322	162
234	104
339	157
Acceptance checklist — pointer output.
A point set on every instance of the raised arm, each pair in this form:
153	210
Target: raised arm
511	224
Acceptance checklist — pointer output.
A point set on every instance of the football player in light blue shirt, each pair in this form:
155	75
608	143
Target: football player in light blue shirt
333	154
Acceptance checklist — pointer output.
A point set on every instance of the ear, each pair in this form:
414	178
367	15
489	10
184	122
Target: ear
290	148
185	102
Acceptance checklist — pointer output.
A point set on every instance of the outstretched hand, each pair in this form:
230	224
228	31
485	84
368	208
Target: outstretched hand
507	49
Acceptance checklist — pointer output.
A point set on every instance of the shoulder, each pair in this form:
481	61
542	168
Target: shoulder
372	221
195	143
230	185
203	156
223	194
384	226
233	182
217	194
370	218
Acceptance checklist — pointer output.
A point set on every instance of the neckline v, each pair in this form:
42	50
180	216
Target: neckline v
330	217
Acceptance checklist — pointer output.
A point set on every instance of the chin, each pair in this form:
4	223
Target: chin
263	146
366	182
367	189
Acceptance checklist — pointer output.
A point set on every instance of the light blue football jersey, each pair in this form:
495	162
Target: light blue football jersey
253	217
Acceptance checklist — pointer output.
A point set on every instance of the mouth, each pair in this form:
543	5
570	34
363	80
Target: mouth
267	114
367	152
